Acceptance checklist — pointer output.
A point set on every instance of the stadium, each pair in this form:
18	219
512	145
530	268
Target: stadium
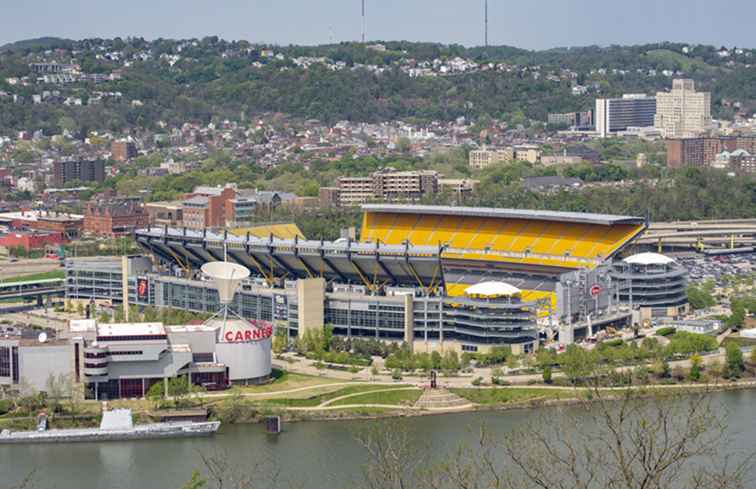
435	277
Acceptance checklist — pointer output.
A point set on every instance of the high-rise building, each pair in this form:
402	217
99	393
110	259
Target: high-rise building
615	115
123	150
683	112
83	171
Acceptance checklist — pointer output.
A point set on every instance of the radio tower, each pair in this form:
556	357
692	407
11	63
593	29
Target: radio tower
485	35
364	22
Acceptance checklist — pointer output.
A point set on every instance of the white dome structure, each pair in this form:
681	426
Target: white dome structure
492	289
648	259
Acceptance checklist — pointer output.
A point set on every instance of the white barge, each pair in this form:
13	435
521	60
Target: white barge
116	425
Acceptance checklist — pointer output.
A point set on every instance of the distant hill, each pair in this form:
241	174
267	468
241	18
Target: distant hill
36	44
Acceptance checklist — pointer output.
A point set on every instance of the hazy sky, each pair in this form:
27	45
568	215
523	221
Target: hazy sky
524	23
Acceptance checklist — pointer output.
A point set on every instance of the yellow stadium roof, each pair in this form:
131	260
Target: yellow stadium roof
566	240
280	231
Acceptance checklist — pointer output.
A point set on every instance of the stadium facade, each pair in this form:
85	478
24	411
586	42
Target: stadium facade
654	284
407	278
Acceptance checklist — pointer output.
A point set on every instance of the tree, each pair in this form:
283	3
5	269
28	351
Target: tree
450	361
279	341
577	363
695	367
392	462
734	364
547	374
56	388
618	440
700	297
196	482
436	360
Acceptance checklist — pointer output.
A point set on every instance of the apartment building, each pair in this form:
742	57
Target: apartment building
82	171
703	151
406	185
683	112
485	157
614	115
384	185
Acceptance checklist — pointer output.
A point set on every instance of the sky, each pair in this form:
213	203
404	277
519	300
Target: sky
531	24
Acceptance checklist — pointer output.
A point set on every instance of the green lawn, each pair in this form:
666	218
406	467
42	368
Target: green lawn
507	395
35	276
286	381
392	398
317	399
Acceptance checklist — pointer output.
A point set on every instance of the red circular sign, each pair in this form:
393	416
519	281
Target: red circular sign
595	290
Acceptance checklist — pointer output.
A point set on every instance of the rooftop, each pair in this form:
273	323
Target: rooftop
38	215
540	215
130	329
648	259
492	289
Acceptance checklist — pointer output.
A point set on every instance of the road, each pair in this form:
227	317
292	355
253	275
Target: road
26	267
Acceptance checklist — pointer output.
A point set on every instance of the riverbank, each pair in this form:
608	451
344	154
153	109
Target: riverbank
298	398
494	398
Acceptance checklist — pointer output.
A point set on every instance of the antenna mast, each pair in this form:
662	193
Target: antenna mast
364	22
485	35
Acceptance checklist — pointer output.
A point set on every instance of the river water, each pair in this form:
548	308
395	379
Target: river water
316	455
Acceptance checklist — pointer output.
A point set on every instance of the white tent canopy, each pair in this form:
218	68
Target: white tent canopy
492	289
648	259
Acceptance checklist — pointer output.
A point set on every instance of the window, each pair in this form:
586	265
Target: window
5	361
469	348
14	364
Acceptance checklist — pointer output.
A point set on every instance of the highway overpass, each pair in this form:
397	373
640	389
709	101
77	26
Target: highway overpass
700	235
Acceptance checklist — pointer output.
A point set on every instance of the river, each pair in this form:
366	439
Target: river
315	455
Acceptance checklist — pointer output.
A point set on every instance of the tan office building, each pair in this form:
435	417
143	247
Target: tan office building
483	158
683	112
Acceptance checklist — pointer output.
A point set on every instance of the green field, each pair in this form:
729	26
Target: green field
35	276
509	395
391	398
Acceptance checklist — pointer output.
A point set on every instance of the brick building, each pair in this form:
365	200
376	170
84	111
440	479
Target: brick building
207	207
68	225
703	151
123	150
114	218
31	240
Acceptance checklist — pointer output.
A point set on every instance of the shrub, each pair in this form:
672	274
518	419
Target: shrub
477	381
666	331
396	374
683	343
613	343
6	406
